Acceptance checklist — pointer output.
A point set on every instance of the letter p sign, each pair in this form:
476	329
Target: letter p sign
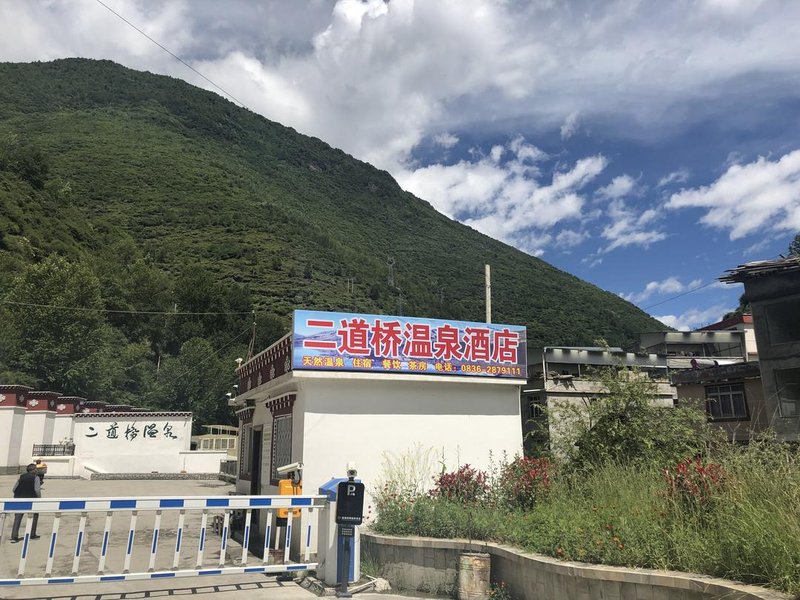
349	503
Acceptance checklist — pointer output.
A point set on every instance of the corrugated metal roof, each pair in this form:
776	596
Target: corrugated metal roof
761	268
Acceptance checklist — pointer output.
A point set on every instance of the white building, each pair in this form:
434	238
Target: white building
78	437
313	397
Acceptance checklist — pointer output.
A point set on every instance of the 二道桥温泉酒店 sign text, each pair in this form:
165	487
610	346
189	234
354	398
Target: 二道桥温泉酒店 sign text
380	343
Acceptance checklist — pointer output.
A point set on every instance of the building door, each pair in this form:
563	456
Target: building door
255	464
255	488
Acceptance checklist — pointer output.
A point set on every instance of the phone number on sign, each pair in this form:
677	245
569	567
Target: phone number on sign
491	370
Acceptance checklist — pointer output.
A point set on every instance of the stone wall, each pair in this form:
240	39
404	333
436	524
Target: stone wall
430	565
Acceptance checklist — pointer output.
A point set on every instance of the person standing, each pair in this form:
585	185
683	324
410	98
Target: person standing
28	486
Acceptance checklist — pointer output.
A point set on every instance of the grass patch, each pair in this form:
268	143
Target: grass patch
747	529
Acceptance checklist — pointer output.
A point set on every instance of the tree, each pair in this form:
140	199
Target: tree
624	425
794	247
197	380
64	338
26	160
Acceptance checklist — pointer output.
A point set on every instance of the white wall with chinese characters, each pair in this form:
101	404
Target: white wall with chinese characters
131	442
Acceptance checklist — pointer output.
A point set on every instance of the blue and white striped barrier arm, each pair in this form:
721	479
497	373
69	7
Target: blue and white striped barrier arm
203	505
78	505
157	575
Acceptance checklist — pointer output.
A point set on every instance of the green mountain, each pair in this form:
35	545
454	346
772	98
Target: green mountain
116	168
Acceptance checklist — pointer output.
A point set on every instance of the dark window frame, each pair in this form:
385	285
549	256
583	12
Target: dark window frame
283	413
718	390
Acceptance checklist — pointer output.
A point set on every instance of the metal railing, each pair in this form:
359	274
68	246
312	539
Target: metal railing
229	467
175	522
53	450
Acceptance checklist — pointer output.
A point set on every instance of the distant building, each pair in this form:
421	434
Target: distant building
78	437
693	349
562	376
217	437
773	289
734	398
739	323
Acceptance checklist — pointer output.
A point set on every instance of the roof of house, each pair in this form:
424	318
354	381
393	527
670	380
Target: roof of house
761	268
745	370
729	322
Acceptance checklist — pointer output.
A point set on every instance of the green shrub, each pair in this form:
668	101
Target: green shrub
742	525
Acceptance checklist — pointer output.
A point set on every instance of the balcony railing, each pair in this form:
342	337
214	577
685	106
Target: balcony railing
229	467
53	450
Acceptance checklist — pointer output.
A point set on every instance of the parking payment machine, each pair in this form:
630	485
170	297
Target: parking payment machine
338	532
349	514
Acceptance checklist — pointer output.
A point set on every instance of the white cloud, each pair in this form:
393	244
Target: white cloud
670	285
445	140
568	238
760	197
679	176
374	78
503	194
620	186
630	228
695	317
570	126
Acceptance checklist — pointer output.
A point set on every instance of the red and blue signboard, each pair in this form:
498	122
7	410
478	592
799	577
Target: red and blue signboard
378	343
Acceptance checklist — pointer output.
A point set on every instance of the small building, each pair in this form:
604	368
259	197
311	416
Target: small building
351	387
693	349
567	376
78	437
217	437
743	323
561	376
733	396
773	289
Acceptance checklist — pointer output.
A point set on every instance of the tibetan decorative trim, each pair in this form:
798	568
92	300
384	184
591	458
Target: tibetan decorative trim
270	364
281	405
245	415
101	415
14	388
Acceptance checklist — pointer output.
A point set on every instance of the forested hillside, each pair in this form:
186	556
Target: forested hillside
129	191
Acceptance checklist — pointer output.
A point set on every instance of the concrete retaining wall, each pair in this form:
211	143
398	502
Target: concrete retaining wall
430	565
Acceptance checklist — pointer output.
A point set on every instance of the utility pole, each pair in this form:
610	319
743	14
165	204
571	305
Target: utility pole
390	264
488	294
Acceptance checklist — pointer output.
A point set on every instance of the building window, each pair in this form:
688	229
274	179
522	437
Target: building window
245	460
787	383
281	444
536	408
726	401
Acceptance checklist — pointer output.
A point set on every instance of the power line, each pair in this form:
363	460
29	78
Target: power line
172	54
700	287
123	312
159	386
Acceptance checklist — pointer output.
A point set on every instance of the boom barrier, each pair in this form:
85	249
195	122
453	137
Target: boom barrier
117	539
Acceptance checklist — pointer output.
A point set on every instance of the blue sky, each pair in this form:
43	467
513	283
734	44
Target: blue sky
643	146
